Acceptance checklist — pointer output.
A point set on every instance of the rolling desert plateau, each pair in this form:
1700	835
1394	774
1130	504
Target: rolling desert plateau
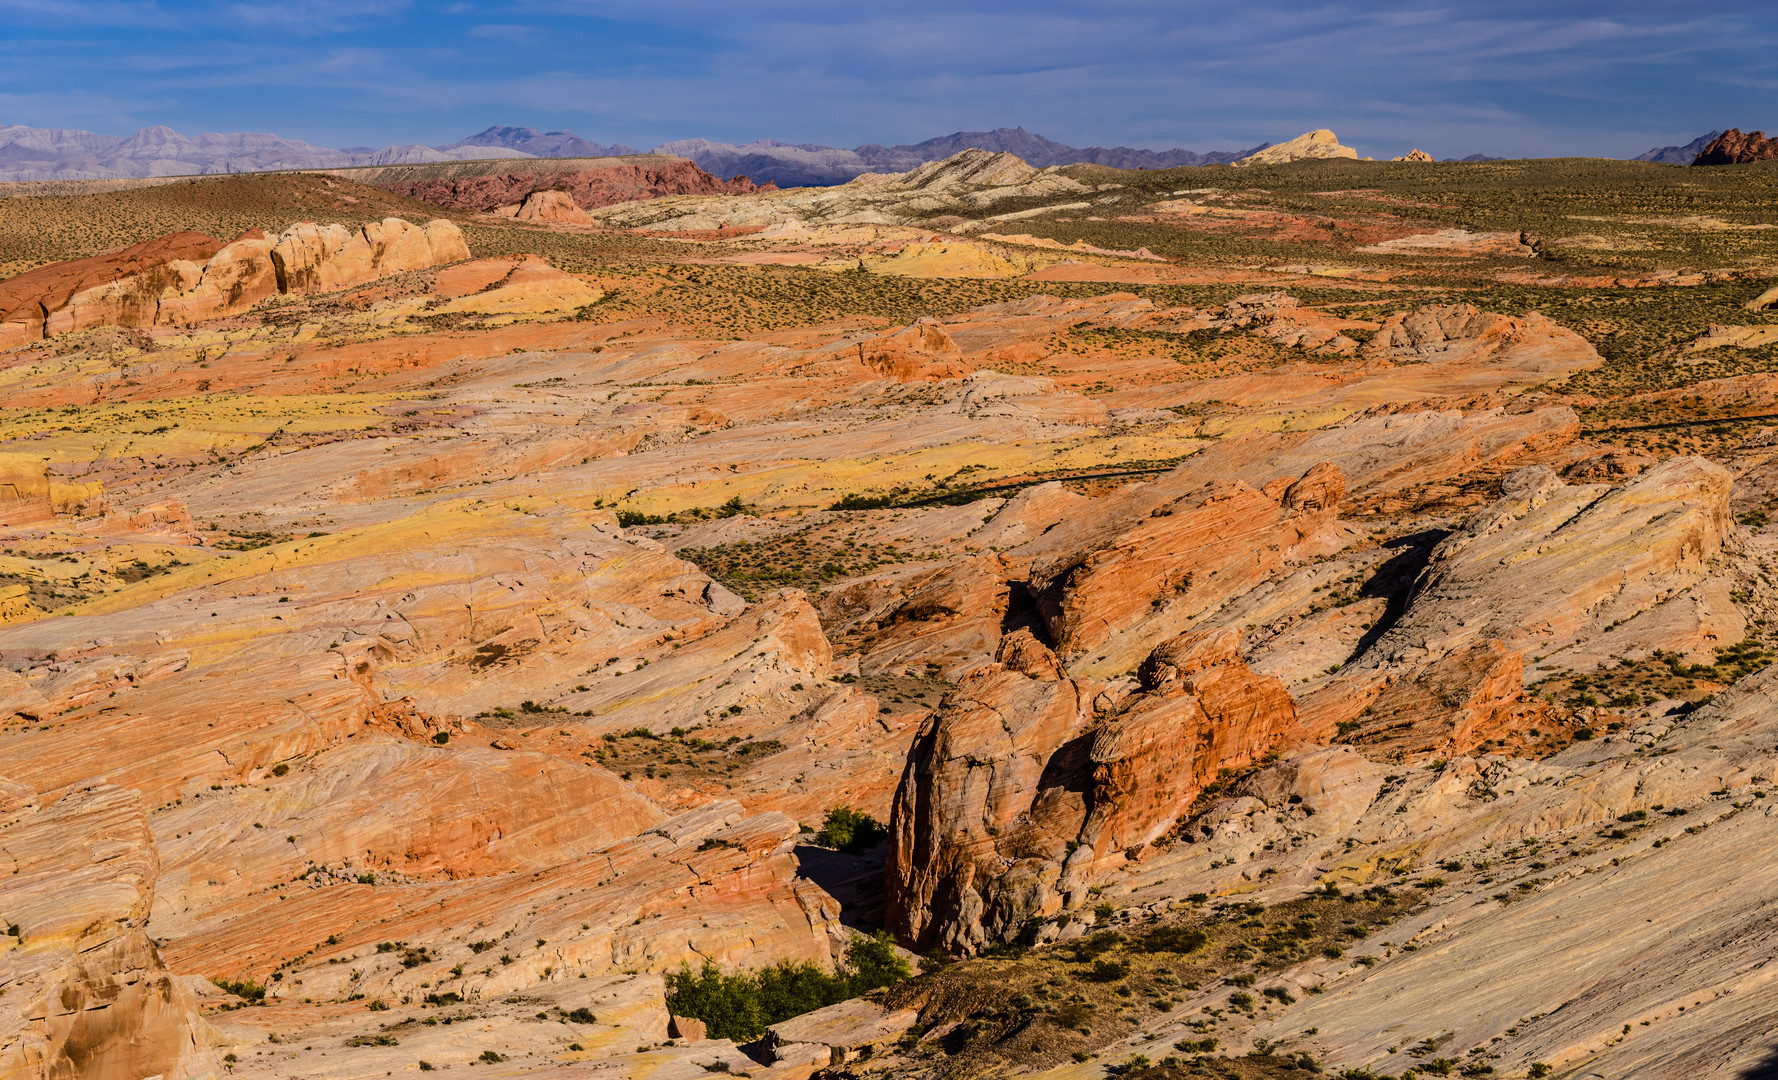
594	618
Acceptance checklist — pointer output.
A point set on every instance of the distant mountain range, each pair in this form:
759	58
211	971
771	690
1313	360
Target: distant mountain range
28	153
528	140
1679	155
54	154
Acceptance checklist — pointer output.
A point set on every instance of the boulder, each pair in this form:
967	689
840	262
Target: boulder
838	1033
1417	156
972	852
1764	300
683	1027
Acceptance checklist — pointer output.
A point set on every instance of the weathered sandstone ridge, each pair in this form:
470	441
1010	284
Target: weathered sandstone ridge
620	180
983	852
186	278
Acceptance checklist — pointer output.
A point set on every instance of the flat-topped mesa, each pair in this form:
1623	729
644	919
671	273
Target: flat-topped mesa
185	278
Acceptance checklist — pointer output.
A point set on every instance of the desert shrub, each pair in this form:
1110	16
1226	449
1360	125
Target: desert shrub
743	1005
1174	939
851	831
246	989
1088	947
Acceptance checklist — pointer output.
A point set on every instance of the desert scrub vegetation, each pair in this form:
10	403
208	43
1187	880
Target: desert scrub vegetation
682	753
801	560
1662	676
1023	1010
741	1006
735	301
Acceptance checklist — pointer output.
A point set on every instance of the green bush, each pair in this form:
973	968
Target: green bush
851	831
740	1007
246	989
1175	939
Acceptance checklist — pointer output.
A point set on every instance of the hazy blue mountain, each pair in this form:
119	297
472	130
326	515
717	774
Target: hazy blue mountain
812	165
28	153
1679	155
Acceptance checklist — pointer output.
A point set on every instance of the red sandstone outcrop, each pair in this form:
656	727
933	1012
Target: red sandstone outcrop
922	352
587	187
1201	710
1133	584
1015	796
1733	147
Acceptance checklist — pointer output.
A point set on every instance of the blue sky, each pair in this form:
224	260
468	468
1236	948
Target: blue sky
1504	78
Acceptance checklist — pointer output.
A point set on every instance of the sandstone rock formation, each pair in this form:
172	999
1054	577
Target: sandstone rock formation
620	181
87	993
1733	147
186	278
1108	603
1309	146
1416	156
1016	795
550	205
122	289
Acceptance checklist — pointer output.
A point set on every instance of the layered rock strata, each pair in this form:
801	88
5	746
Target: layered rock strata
186	278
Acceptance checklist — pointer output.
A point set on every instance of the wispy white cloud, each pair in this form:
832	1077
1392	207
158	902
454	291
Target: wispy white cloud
1495	75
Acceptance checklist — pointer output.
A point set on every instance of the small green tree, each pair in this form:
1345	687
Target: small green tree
875	963
851	831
